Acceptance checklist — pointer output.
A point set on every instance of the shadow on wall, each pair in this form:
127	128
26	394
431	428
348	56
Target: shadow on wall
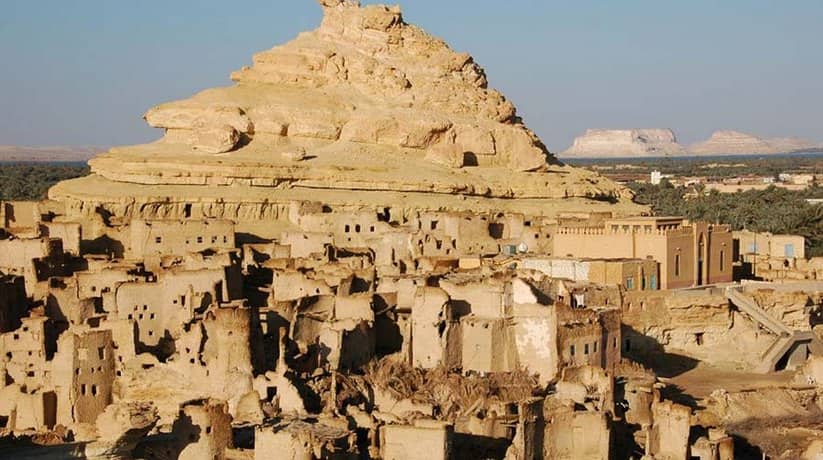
675	393
164	349
389	338
624	442
743	449
169	445
651	354
743	271
242	238
25	448
102	246
474	446
815	312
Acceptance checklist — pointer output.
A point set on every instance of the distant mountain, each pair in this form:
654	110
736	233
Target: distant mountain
737	143
628	143
44	154
621	143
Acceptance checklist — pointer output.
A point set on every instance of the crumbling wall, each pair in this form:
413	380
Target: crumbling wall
120	427
430	320
530	431
95	284
298	438
534	331
701	325
482	297
36	259
486	345
425	440
19	214
669	436
178	237
797	310
203	428
26	351
575	435
70	233
83	375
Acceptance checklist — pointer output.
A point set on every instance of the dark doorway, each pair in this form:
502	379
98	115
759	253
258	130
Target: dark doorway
470	159
496	230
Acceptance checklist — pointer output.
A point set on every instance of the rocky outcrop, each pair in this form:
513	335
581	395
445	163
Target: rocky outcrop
365	111
620	143
737	143
366	77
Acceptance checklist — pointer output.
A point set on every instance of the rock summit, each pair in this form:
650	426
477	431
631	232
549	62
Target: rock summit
386	114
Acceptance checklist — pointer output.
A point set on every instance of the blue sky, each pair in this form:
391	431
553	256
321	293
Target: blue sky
82	72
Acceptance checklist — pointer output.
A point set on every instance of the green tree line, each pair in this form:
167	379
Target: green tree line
31	181
776	210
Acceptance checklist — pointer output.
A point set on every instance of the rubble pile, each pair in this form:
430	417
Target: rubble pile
189	346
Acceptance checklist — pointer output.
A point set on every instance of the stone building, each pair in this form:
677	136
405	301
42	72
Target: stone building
759	252
19	215
304	439
69	233
500	325
27	351
36	259
424	440
689	254
83	375
178	237
632	274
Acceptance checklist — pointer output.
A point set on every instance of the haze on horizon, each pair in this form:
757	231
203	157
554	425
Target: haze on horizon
83	73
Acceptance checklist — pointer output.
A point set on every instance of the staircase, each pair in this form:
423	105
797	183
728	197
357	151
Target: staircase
747	305
787	339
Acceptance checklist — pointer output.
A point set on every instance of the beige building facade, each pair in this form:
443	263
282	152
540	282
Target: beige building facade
750	245
689	254
632	274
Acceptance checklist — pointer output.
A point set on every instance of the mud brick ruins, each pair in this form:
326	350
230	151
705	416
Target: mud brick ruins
359	250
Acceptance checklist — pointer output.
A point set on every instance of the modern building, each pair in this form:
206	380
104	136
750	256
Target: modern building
632	274
689	253
749	245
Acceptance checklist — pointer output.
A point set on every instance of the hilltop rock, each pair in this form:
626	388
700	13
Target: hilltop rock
735	142
390	116
364	76
216	139
618	143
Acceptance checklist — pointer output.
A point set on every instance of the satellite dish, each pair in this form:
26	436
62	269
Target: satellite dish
522	248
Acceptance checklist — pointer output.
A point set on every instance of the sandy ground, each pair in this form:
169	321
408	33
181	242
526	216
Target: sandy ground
701	381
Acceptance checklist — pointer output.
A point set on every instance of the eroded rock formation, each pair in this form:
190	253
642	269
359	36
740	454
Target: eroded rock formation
367	105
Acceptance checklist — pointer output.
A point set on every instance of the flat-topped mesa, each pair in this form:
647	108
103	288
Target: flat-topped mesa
734	142
615	143
364	111
365	77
